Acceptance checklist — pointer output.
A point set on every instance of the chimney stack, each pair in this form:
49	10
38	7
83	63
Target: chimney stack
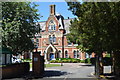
52	9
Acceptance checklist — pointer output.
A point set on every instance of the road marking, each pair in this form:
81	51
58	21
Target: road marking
53	69
92	73
65	78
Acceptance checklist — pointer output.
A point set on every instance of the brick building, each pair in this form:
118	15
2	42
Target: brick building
52	41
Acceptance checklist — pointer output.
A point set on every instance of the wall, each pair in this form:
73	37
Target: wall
15	70
6	59
38	64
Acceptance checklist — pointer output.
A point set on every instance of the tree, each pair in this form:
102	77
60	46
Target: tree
18	25
95	26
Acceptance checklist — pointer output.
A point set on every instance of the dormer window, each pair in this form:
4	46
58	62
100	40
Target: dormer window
51	26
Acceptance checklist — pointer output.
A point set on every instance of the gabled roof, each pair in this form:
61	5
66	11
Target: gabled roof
60	19
52	46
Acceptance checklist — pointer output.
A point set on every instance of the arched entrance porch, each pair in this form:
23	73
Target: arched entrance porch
51	53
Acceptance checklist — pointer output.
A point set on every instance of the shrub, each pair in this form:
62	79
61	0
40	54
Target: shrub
82	61
65	60
74	61
87	60
26	60
53	61
92	60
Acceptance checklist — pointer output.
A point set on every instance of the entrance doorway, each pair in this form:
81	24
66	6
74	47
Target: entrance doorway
52	56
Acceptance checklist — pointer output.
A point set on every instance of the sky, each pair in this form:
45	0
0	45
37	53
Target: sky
61	8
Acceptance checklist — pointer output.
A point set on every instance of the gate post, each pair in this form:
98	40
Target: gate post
38	64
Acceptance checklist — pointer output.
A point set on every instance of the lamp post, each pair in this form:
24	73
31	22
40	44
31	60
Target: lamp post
37	35
61	62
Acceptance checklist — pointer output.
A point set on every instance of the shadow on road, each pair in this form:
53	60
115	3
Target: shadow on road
51	73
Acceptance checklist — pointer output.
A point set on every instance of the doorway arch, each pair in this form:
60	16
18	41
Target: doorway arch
51	52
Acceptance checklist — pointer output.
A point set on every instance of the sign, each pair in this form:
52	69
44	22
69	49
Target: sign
35	59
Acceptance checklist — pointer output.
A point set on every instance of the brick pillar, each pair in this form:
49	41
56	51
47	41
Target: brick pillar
83	55
38	64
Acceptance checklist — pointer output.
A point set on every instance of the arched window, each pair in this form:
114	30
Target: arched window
50	38
54	28
37	40
54	38
66	54
51	26
59	53
78	54
75	54
51	21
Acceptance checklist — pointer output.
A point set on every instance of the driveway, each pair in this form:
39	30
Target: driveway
70	70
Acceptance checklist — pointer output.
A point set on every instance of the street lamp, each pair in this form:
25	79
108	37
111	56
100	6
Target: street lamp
61	62
37	35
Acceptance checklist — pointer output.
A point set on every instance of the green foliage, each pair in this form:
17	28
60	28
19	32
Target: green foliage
65	60
18	25
26	60
52	65
82	61
107	55
87	60
92	60
97	24
97	29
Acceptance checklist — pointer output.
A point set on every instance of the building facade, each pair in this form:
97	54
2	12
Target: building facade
52	41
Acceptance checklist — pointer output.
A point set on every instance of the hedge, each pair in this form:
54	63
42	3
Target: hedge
65	60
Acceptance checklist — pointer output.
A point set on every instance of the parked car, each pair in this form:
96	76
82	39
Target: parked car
16	60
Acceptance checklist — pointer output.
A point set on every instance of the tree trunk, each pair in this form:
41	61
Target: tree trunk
101	64
116	57
98	65
113	64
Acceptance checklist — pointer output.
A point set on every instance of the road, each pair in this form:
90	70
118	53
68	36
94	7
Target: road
70	70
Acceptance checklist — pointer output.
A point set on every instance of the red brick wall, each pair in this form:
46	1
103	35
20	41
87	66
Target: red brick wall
56	21
38	64
15	70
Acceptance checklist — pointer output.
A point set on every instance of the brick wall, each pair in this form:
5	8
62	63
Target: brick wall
15	70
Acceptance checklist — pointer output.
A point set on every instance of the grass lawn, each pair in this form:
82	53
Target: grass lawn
48	65
51	65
